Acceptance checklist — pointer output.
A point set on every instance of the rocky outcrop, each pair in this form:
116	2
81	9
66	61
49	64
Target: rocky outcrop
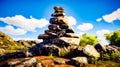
28	43
59	32
107	48
66	41
90	51
58	41
78	61
23	62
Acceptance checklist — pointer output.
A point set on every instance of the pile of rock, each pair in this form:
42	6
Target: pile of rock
59	32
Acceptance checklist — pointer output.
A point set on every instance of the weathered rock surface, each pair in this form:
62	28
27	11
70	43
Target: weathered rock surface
71	35
107	48
100	47
67	41
79	61
45	36
2	51
54	27
59	32
90	51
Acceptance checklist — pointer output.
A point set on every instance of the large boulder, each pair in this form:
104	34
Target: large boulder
107	48
111	49
79	61
50	49
100	47
90	51
66	41
22	62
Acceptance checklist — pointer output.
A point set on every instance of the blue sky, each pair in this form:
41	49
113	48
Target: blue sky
26	19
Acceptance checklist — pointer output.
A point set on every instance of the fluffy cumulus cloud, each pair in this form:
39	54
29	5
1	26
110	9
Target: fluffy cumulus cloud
100	35
71	20
11	30
28	24
115	15
85	27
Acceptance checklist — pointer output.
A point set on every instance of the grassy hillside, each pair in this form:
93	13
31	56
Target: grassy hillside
8	44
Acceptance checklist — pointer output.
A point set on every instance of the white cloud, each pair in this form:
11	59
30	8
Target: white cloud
81	33
71	20
16	39
11	30
85	27
113	16
99	19
29	24
100	35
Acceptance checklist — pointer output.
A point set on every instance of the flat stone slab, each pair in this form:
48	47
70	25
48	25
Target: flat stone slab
71	35
54	27
66	41
45	36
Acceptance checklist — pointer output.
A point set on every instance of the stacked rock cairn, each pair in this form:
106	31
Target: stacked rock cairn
59	32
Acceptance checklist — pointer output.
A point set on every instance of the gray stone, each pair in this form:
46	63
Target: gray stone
49	32
79	61
50	49
29	62
54	27
45	36
59	11
111	49
67	41
59	61
71	35
61	33
100	47
90	51
63	19
55	21
39	65
63	26
69	30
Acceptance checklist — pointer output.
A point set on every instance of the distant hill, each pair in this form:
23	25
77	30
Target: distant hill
8	44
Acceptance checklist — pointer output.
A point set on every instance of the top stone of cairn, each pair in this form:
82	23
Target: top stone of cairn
59	11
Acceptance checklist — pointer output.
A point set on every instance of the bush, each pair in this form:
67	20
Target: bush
92	60
110	56
114	38
88	39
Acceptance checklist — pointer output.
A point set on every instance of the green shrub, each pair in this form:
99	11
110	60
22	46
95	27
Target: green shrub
88	39
92	60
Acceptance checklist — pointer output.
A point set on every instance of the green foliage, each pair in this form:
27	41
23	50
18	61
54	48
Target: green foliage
88	39
63	52
92	60
8	44
114	38
114	56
